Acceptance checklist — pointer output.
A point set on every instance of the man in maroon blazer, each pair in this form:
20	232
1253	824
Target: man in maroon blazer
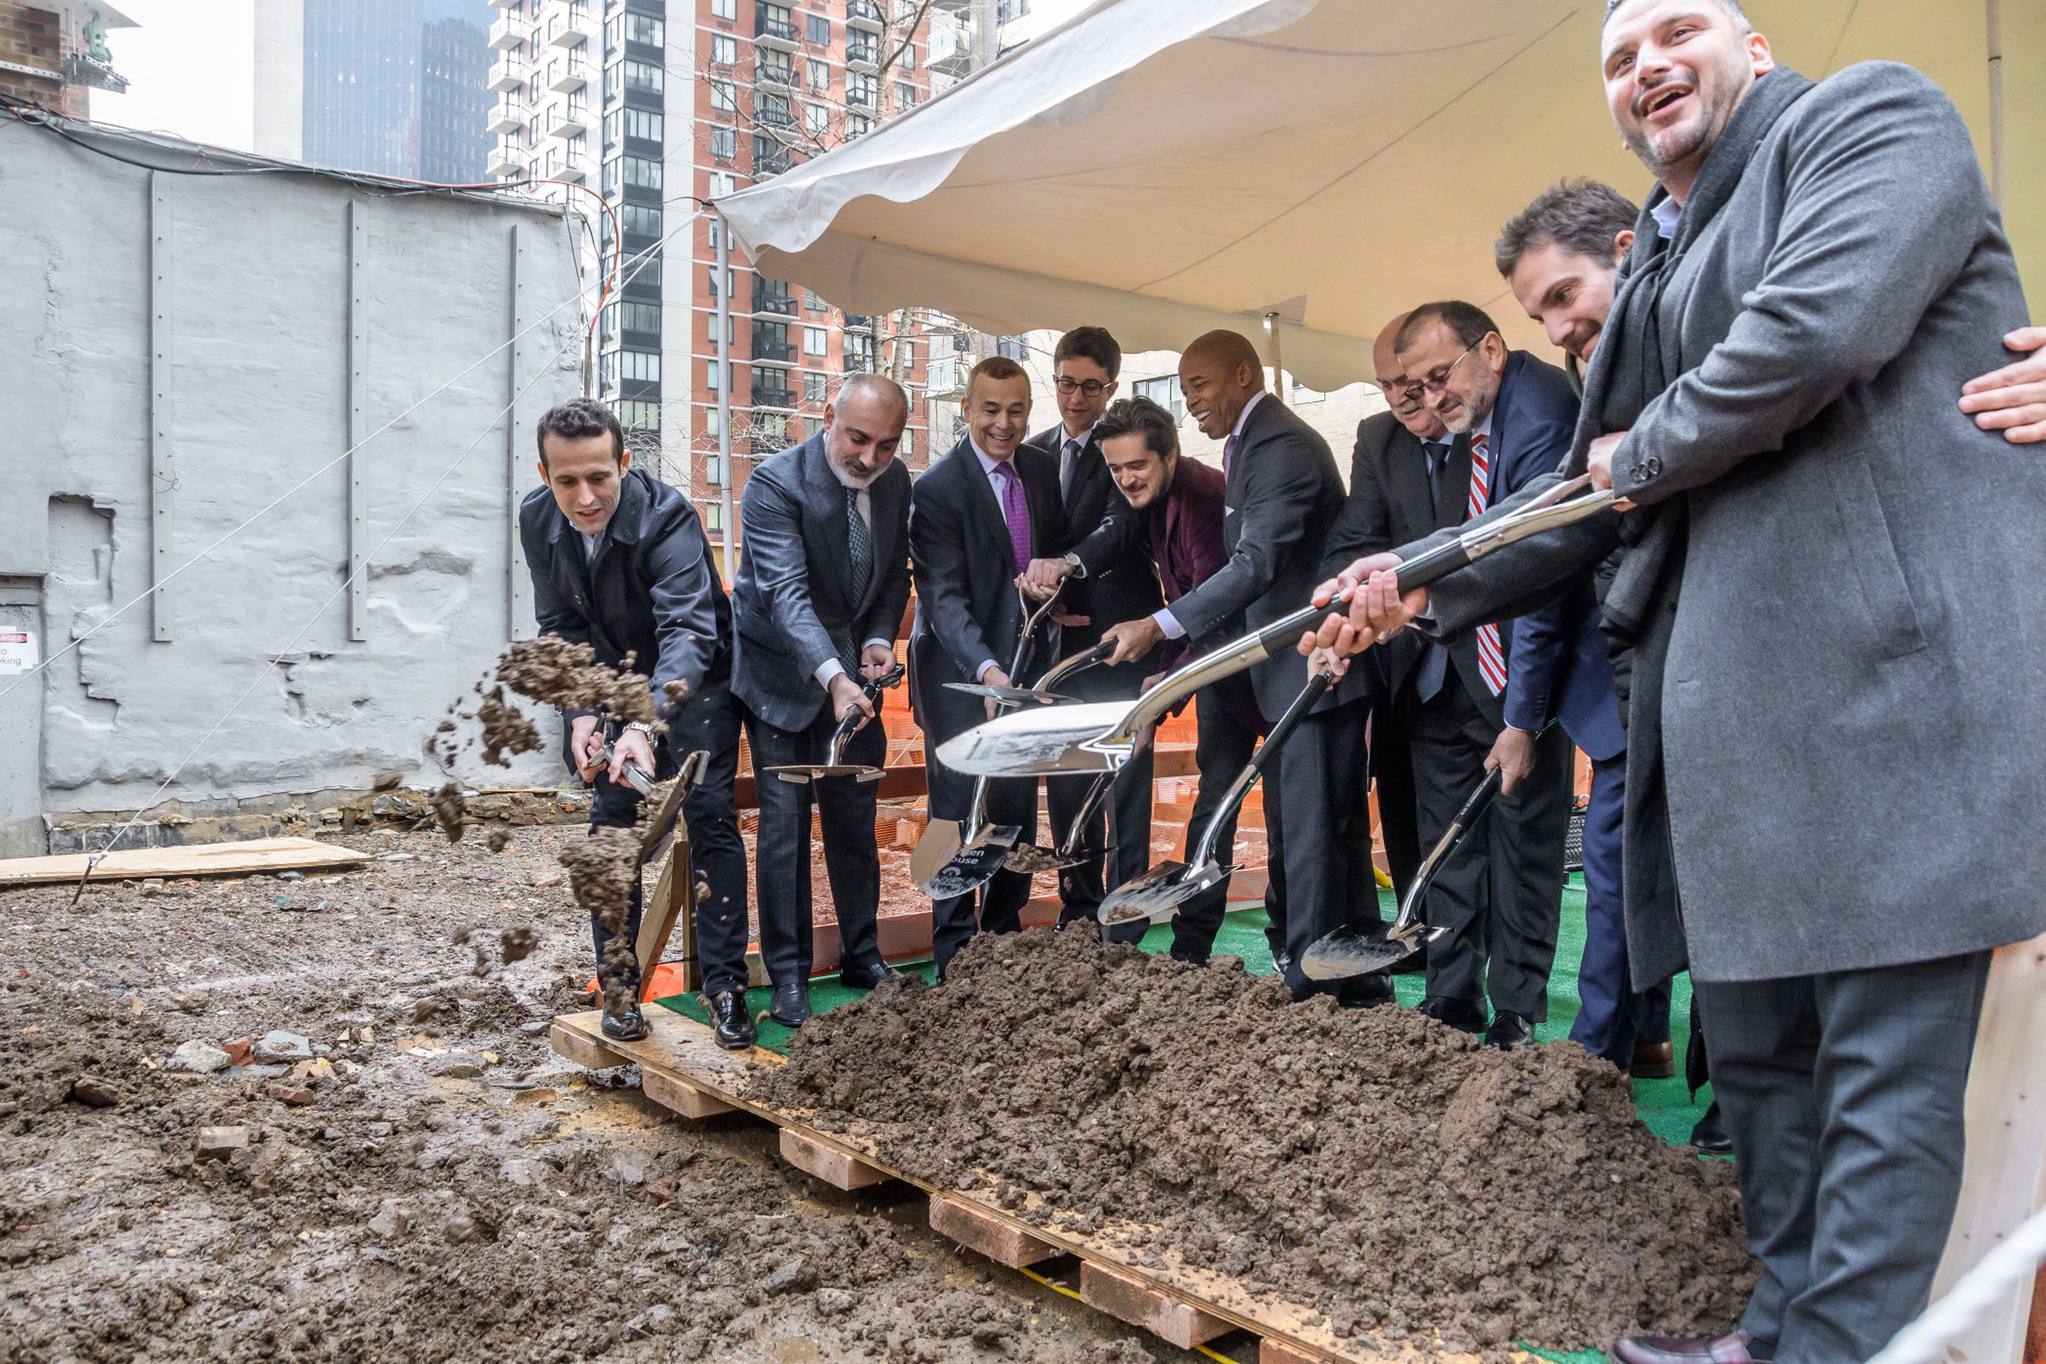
1176	504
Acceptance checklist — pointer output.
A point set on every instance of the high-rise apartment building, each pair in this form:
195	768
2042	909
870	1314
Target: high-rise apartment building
393	87
664	105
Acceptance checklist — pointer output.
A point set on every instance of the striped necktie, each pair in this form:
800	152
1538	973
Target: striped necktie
1491	658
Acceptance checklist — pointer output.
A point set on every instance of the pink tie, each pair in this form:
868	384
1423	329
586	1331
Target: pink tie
1491	658
1016	511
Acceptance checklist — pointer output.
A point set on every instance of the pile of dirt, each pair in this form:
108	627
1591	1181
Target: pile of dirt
1374	1165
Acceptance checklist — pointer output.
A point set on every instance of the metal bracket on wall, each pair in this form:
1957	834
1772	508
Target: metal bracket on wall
163	478
358	418
518	588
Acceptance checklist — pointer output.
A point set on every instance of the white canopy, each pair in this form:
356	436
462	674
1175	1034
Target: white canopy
1166	166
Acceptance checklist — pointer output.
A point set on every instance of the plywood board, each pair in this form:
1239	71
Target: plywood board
252	857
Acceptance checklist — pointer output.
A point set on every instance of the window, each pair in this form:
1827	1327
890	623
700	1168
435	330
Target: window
643	76
816	388
642	220
610	177
1015	348
860	90
642	172
773	110
820	30
713	422
816	341
905	95
722	183
640	366
856	125
613	76
639	317
724	9
812	302
722	97
713	277
644	28
710	369
1165	393
820	77
636	414
644	124
905	449
907	61
812	425
817	119
614	128
724	145
724	49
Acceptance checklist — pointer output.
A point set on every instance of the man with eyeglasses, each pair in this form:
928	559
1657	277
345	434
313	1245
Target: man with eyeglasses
1498	419
1085	365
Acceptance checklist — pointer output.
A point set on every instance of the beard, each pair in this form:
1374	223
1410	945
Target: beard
1675	146
852	478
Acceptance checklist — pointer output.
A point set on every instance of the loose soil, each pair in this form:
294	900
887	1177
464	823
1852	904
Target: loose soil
1374	1165
430	1183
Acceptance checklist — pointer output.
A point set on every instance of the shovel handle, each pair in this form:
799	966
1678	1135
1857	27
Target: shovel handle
1088	806
1077	663
1239	789
1445	848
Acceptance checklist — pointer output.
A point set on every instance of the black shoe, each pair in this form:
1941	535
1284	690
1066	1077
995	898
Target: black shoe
1282	962
728	1021
1462	1014
1731	1349
1709	1136
1365	992
791	1006
629	1026
868	977
1509	1030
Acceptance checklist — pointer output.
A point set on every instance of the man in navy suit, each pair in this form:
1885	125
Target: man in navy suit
1483	703
976	519
823	580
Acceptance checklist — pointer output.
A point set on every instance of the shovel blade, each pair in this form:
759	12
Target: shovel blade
972	865
801	775
1158	892
1038	741
1348	953
1009	696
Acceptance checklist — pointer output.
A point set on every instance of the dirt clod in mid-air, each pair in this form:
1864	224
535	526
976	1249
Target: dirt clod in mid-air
449	809
1374	1165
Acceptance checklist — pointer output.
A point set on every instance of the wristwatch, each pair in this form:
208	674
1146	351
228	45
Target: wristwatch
642	726
1072	561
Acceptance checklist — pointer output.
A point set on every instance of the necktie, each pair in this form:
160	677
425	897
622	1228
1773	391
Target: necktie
1228	453
1491	658
1438	459
859	541
1016	511
1069	459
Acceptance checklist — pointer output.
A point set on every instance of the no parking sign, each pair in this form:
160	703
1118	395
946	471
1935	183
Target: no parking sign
17	651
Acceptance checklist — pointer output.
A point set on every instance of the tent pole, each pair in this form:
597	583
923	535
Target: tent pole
724	325
1278	369
1995	18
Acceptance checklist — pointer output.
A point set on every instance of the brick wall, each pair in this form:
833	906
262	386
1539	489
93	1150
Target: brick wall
31	36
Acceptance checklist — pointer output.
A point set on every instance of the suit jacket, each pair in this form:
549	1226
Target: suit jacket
794	604
967	610
1390	502
1282	495
1122	585
652	591
1828	739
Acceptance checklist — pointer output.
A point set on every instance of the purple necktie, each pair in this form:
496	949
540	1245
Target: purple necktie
1228	450
1016	511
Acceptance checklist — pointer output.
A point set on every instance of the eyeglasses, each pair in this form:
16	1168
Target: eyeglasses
1438	381
1400	390
1093	388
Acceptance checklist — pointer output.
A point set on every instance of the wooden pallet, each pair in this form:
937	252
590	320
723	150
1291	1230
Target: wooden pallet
683	1069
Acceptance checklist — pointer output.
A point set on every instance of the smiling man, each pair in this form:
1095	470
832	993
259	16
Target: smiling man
620	562
1826	611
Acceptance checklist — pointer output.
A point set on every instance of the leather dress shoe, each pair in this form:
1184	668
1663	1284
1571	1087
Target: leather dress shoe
1731	1349
1509	1030
1282	962
867	977
628	1026
791	1006
729	1024
1709	1136
1365	992
1462	1014
1653	1061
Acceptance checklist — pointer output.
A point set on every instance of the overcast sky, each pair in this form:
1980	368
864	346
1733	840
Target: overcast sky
190	69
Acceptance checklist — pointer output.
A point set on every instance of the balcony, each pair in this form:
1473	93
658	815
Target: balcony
566	120
777	73
571	30
767	348
778	302
944	378
859	96
949	53
776	117
507	163
510	32
863	56
765	396
507	4
565	75
775	30
509	73
864	14
858	322
771	161
508	116
574	172
858	362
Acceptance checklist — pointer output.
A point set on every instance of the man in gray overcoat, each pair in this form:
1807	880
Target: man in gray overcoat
1835	585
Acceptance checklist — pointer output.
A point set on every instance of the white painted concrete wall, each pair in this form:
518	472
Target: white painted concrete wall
254	285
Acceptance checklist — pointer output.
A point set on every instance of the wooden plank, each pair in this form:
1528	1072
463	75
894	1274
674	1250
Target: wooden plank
832	1164
205	859
1001	1242
1271	1351
1131	1299
673	904
584	1049
2003	1173
686	1099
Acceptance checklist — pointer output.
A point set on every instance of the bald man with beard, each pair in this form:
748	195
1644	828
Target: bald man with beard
1282	494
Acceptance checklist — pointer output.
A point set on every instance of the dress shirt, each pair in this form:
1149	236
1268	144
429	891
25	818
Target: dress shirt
1164	618
989	464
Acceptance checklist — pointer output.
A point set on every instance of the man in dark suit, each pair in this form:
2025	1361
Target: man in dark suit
1119	586
1171	508
1283	492
823	579
620	562
1509	419
977	517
